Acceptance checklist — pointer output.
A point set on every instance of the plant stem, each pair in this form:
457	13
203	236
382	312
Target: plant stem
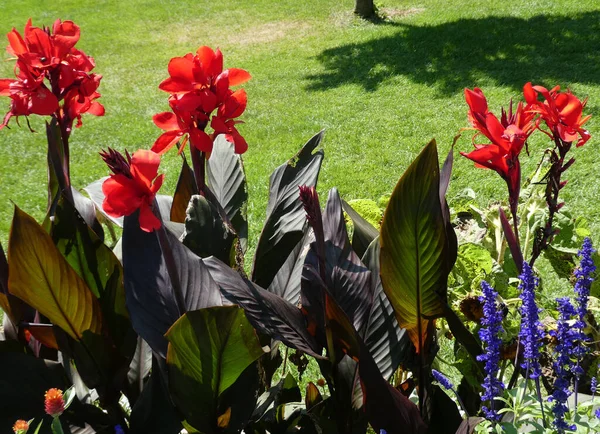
199	165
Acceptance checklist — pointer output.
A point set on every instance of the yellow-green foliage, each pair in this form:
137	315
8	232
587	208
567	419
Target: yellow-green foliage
369	210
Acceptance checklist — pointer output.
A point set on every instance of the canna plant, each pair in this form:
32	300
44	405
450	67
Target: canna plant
168	328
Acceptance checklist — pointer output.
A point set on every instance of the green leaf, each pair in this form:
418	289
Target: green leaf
364	232
208	350
415	257
39	275
97	265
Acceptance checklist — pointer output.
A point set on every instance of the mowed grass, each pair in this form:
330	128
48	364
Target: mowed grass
381	91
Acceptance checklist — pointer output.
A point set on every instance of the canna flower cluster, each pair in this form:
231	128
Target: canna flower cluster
561	111
198	86
507	136
132	186
490	336
530	335
50	70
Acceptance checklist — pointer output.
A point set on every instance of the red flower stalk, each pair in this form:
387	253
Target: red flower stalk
54	402
132	186
561	111
21	427
507	137
310	202
198	86
49	69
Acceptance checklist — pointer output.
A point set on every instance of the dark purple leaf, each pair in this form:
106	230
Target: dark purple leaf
287	281
227	181
347	278
386	407
386	341
162	285
267	312
186	187
285	222
468	425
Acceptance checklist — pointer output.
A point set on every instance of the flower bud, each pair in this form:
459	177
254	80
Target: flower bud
21	427
54	404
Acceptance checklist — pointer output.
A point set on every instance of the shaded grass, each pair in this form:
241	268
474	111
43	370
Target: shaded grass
380	91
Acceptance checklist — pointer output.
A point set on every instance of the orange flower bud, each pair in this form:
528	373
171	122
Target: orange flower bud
20	427
55	404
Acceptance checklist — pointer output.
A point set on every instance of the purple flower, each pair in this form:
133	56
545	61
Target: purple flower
597	413
584	277
566	337
119	429
593	385
442	379
490	336
530	335
582	292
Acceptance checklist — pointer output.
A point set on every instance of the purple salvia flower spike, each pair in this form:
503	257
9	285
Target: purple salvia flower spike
490	336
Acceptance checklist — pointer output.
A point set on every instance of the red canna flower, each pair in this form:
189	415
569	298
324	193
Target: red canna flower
561	111
49	69
198	86
21	427
132	186
54	402
507	137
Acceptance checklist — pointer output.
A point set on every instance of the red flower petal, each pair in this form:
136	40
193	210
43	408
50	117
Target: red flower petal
166	141
235	105
121	196
529	93
5	86
240	144
166	121
144	166
16	44
148	221
96	109
65	36
200	140
211	61
43	102
181	68
238	76
188	102
176	85
476	100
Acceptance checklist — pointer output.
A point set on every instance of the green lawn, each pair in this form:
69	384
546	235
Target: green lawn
381	91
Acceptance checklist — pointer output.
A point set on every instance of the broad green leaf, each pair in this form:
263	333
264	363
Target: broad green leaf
95	263
39	275
364	232
415	261
208	351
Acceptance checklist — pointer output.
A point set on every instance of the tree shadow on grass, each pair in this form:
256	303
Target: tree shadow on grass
511	51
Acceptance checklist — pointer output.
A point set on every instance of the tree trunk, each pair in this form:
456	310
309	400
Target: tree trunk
364	8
